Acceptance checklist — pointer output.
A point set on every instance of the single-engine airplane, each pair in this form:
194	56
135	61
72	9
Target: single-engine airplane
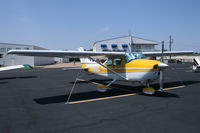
129	66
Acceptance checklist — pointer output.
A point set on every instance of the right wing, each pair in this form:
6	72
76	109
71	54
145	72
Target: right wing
167	53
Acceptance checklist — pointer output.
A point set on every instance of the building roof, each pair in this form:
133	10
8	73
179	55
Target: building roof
136	40
23	45
16	44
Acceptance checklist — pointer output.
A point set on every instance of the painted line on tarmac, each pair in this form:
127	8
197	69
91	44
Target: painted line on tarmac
99	99
172	88
119	96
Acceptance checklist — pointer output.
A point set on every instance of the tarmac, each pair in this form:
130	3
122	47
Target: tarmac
35	101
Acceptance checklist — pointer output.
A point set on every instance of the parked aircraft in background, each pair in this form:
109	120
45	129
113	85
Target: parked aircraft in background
14	67
196	64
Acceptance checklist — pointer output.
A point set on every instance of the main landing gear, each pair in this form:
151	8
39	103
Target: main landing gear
104	88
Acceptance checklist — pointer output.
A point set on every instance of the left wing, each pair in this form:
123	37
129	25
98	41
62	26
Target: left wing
61	53
14	67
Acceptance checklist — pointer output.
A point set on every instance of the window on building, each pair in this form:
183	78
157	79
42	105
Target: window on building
103	46
114	45
3	50
8	49
18	48
124	45
138	47
26	48
148	47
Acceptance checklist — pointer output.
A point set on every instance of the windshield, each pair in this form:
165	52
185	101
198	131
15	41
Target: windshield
132	56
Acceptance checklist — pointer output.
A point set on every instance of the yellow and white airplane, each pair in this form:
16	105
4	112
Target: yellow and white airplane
129	66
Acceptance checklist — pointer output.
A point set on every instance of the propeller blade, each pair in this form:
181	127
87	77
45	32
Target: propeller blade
161	80
161	66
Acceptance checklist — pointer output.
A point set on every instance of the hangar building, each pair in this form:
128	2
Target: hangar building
9	60
126	43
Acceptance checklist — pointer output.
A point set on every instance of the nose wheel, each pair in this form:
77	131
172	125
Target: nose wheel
148	90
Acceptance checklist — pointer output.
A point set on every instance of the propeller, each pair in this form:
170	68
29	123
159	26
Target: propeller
162	66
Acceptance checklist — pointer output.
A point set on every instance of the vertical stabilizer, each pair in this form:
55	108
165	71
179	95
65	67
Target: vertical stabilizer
196	61
85	61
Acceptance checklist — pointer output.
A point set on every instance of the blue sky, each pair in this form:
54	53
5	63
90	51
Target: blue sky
68	24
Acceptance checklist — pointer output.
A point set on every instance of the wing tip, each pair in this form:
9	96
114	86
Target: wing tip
27	66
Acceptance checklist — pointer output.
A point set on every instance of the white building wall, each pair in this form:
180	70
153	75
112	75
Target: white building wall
9	60
143	48
61	60
38	61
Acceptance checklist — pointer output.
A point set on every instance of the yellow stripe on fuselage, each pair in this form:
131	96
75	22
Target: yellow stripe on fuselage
132	66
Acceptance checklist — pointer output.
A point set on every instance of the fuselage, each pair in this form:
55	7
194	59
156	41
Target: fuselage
135	70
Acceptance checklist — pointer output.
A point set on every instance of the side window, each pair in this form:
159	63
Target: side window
117	61
109	62
3	50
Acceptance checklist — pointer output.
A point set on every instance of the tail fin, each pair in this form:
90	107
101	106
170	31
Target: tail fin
85	61
196	61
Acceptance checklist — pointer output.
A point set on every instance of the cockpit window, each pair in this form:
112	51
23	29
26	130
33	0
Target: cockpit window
132	56
115	62
109	62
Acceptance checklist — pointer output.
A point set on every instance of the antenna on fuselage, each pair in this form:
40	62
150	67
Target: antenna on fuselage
129	32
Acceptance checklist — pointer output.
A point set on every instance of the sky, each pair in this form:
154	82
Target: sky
69	24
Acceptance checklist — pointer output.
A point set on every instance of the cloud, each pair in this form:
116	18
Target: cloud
106	29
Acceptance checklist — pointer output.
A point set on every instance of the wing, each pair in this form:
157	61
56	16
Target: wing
167	53
15	67
60	53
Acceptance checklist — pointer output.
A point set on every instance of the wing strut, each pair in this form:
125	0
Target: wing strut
108	68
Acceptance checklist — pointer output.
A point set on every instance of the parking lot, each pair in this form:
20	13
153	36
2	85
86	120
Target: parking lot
34	100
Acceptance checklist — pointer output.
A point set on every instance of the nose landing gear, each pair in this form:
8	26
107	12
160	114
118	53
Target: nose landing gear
148	90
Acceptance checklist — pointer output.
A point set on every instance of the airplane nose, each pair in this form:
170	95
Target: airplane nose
162	65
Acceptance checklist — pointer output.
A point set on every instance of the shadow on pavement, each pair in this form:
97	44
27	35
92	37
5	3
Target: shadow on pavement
21	77
3	82
116	90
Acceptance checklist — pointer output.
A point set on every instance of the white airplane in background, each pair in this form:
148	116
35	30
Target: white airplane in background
14	67
196	64
128	66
